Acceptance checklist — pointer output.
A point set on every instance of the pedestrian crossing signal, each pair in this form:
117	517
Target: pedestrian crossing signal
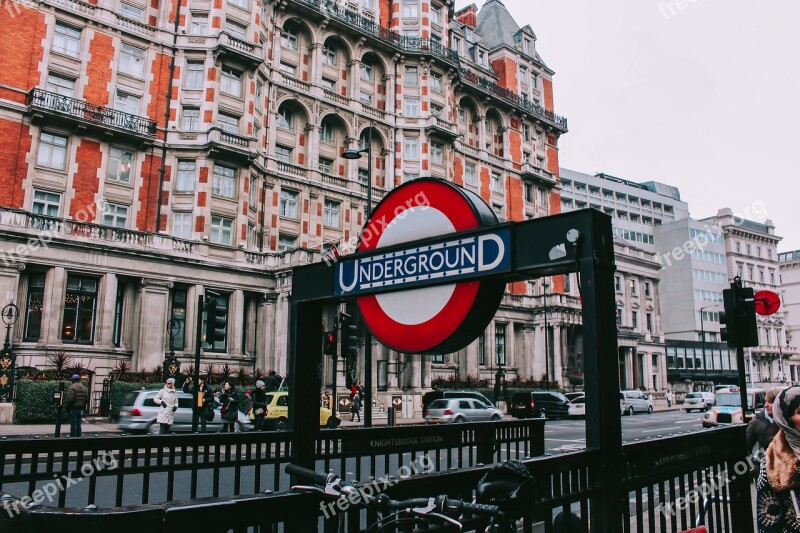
330	343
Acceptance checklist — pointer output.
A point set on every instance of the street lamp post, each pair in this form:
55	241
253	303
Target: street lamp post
356	154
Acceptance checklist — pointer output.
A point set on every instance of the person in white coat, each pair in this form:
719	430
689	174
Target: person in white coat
167	398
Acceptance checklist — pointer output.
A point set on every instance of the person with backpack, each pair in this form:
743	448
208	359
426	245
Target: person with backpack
75	404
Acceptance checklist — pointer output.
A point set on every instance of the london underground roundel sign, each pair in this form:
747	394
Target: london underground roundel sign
441	318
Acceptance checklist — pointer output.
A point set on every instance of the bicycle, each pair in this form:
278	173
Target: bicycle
442	512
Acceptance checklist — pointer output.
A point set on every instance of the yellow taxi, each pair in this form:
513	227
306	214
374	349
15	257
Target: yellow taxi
278	412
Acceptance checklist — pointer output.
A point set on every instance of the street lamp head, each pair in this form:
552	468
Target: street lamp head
353	154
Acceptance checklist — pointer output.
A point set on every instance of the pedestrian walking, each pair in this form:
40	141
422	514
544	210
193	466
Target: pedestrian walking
778	485
230	407
167	398
75	404
670	398
273	381
356	409
762	427
259	406
204	408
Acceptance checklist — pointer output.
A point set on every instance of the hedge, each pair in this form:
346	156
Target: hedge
120	389
34	402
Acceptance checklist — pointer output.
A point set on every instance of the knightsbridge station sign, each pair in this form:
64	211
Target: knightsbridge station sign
433	295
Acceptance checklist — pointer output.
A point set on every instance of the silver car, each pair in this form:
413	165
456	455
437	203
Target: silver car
460	410
138	415
702	401
634	401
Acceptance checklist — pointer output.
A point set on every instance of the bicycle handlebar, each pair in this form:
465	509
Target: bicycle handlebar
334	487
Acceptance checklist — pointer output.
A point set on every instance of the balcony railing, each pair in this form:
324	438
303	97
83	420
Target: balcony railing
82	110
535	172
246	50
134	26
291	168
521	102
443	127
295	83
51	227
331	95
374	112
76	6
336	181
235	144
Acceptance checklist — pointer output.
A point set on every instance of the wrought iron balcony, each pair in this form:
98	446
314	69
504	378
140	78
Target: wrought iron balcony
365	26
83	113
521	102
245	51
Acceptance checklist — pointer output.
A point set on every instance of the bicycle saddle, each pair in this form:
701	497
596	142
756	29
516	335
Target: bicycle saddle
508	485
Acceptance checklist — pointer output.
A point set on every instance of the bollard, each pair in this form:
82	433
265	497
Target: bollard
390	412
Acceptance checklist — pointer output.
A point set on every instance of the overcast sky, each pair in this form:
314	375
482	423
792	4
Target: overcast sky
704	98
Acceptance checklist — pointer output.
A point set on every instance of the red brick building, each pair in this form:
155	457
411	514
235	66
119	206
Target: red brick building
163	149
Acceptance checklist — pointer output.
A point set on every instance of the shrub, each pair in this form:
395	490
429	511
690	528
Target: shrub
120	389
34	403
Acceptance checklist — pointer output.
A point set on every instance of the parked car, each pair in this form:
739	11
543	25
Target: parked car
572	395
539	404
429	397
138	414
635	401
577	406
278	412
702	401
449	410
718	388
728	406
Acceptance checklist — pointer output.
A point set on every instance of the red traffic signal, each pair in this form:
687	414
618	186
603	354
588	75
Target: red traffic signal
329	342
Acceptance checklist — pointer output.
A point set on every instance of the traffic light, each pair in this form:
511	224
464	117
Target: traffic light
216	322
351	349
727	318
329	342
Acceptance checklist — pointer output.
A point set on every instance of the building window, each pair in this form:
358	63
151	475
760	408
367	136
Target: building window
617	284
131	61
411	148
33	307
288	204
365	97
79	308
436	15
191	119
648	289
127	103
244	4
366	72
411	107
750	275
469	174
199	24
178	315
115	215
634	319
182	225
186	175
46	203
224	182
529	197
290	70
363	176
482	350
327	84
437	153
500	343
285	119
749	250
329	55
221	305
132	12
496	184
286	243
633	287
119	165
60	85
116	335
228	123
649	318
331	214
436	82
259	93
194	75
231	82
325	165
289	39
283	154
326	132
436	110
66	40
410	8
412	76
221	231
410	176
52	151
236	30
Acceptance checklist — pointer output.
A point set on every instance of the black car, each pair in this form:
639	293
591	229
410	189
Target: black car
538	404
429	397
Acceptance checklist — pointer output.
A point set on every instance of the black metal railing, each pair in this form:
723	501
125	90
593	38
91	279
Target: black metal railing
96	114
156	469
658	475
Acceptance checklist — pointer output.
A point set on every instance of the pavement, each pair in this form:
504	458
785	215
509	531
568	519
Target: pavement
94	426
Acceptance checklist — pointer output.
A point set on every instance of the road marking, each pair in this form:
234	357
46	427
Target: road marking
568	440
659	429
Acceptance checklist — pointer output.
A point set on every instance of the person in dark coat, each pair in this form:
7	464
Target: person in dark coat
205	399
259	405
762	427
356	409
230	405
273	381
75	404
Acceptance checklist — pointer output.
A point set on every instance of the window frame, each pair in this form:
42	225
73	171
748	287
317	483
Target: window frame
67	38
185	225
78	318
116	156
220	225
128	58
224	183
288	204
53	148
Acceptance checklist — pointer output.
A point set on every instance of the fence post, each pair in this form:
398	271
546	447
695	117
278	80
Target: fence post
485	443
536	437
